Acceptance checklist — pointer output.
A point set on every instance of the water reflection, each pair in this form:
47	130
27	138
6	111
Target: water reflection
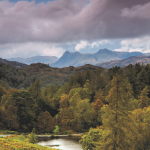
63	144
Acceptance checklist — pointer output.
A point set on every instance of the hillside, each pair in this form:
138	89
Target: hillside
124	62
13	63
24	77
35	59
78	59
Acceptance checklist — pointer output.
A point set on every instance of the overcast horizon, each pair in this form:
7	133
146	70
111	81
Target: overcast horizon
49	28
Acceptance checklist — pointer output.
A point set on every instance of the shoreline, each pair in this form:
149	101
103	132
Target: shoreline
49	136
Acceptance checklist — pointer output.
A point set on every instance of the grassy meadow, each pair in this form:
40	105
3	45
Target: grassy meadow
16	142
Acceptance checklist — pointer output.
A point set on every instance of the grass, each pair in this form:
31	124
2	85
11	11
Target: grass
16	142
8	132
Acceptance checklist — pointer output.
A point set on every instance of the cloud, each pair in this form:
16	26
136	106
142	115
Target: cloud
26	50
138	11
53	51
128	49
81	45
141	44
85	44
137	42
62	21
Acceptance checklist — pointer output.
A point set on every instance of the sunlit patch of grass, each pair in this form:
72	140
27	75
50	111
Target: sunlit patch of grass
16	142
8	132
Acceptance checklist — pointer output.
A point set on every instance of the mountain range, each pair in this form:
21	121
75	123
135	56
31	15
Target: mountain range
124	62
35	59
78	59
104	58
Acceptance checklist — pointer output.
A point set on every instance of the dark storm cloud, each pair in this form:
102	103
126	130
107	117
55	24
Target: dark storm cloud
70	20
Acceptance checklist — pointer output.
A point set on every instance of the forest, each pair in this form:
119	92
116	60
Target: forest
110	105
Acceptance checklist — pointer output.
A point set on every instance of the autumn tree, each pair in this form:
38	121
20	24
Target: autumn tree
45	122
98	105
6	100
64	101
100	94
11	118
116	120
63	112
141	119
143	99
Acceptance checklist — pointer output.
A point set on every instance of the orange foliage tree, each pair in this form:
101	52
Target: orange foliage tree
45	122
11	117
98	105
63	114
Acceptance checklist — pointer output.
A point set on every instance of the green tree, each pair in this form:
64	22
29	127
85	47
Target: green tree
5	85
143	99
63	114
56	130
141	119
75	99
42	102
90	140
35	90
2	92
116	120
50	91
84	115
32	137
26	109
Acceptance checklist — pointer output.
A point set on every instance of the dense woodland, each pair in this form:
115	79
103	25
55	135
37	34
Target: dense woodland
22	78
114	102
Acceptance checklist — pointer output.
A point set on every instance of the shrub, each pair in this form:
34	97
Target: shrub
56	129
32	137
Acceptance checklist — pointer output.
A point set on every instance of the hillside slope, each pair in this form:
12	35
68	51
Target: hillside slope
124	62
13	63
35	59
24	77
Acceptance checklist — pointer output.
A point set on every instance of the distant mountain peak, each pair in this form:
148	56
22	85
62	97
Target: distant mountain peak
78	59
105	50
66	52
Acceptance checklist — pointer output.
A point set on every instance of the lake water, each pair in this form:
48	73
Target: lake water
62	143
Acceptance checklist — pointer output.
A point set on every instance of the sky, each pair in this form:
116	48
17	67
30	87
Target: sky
49	28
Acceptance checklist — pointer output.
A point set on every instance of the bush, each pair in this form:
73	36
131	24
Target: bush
56	129
32	137
90	140
13	132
